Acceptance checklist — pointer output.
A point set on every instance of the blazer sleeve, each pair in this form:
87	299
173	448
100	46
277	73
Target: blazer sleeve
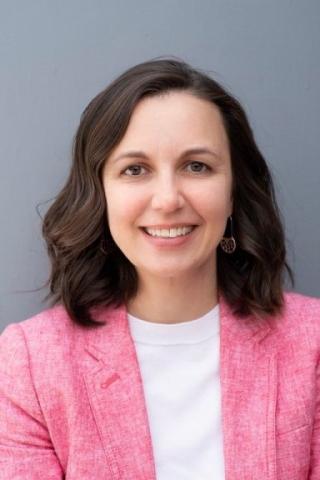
314	473
26	451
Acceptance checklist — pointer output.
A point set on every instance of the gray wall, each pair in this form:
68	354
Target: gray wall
55	56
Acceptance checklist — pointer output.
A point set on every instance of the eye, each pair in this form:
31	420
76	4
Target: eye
198	167
133	170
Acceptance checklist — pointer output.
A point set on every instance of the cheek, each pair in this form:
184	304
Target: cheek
214	202
123	207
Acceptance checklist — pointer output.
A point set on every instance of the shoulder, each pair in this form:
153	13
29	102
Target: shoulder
56	321
301	309
45	327
303	303
37	341
300	321
49	335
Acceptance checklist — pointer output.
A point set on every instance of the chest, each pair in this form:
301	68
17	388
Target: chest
100	425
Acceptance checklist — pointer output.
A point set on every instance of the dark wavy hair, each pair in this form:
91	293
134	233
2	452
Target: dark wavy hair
88	270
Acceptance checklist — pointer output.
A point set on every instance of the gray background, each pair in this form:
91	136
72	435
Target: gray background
55	56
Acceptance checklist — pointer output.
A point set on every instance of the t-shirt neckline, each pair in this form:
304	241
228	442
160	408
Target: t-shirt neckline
193	331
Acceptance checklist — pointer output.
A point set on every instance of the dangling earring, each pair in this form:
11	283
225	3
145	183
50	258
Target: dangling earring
228	244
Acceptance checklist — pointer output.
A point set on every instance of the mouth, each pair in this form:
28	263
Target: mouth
172	232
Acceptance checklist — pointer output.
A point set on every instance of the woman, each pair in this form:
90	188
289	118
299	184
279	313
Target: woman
170	350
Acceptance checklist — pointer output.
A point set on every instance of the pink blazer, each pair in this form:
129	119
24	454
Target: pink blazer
72	404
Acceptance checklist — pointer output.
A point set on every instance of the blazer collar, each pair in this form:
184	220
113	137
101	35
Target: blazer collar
248	394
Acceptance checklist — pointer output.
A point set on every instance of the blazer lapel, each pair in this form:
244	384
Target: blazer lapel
248	388
116	396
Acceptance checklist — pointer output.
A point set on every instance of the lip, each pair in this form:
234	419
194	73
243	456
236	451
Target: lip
167	226
169	242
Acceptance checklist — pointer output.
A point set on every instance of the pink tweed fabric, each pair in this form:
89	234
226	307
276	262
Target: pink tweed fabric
72	404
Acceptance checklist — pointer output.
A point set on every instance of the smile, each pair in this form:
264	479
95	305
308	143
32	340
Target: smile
169	232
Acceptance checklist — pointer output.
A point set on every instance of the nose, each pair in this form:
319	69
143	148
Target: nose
167	195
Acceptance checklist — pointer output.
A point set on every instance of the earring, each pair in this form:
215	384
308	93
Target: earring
228	244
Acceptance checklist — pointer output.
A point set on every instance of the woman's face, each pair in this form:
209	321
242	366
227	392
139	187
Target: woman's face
168	186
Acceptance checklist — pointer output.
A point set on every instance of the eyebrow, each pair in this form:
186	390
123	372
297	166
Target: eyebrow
189	151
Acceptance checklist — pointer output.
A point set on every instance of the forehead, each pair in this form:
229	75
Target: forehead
171	120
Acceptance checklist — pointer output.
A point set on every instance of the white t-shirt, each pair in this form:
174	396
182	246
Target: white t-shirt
179	366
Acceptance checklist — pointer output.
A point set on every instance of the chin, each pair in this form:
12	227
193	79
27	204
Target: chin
170	271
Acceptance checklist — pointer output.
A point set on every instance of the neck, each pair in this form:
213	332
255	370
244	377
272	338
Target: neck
174	299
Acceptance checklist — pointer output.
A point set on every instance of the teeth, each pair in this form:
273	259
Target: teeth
169	233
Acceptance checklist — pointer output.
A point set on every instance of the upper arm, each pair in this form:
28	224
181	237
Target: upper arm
26	451
314	473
